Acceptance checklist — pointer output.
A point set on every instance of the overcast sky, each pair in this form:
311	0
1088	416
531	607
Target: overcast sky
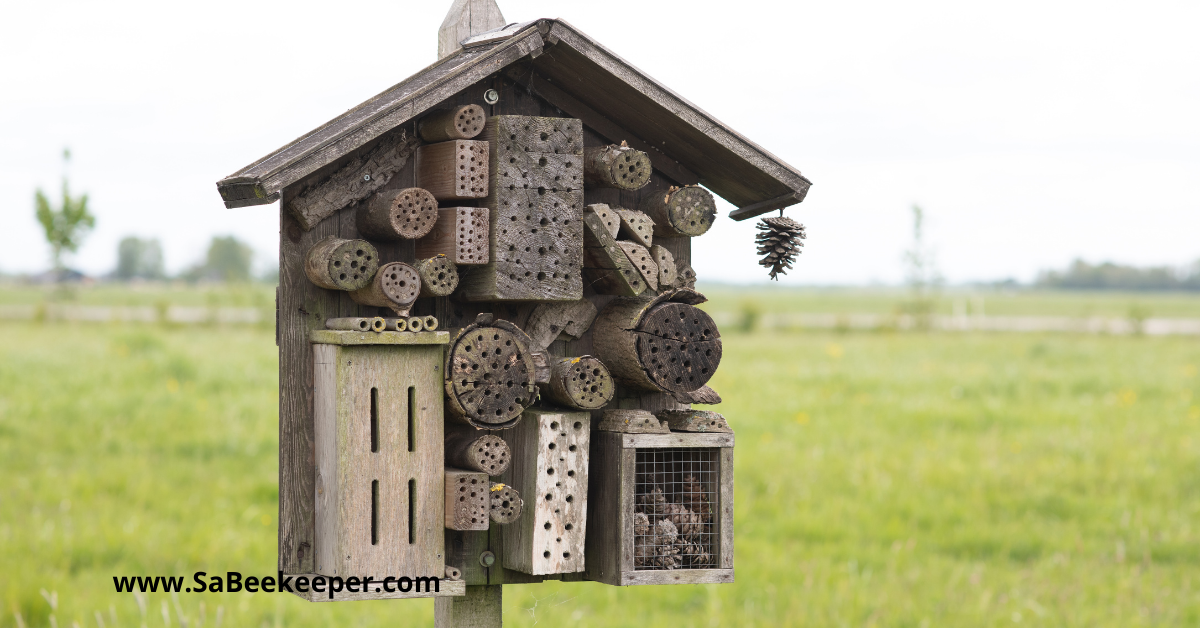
1031	132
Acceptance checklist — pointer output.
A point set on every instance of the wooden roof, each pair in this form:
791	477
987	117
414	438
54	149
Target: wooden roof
577	75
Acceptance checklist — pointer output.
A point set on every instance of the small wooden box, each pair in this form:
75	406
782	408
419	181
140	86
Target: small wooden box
460	233
639	481
454	170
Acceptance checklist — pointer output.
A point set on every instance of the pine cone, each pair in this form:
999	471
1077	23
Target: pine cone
779	243
695	499
686	522
653	504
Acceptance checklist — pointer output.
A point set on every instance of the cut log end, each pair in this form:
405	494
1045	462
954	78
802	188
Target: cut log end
486	454
687	211
395	286
616	167
458	123
583	383
439	276
490	375
339	264
399	214
506	504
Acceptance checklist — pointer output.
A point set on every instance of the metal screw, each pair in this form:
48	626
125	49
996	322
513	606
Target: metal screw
366	177
491	97
487	559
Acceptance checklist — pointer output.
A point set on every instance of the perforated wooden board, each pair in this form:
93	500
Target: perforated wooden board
460	233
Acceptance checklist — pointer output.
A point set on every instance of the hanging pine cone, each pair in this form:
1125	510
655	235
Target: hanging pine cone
779	241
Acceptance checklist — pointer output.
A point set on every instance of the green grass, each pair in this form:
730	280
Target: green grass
882	480
146	294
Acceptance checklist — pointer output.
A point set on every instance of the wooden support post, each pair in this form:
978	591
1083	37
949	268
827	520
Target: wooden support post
468	499
398	214
339	264
487	453
606	266
457	123
460	233
583	383
637	226
616	167
439	276
688	211
641	260
481	607
666	265
454	170
395	286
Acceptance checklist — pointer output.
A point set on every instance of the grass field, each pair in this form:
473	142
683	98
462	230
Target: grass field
898	479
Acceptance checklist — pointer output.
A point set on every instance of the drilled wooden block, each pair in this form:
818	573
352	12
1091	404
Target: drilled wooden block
642	260
637	226
550	470
537	135
606	267
468	498
460	233
666	266
454	170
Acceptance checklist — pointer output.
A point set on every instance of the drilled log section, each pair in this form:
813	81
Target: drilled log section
583	383
395	286
506	504
632	422
355	181
548	320
695	421
398	214
339	264
615	166
535	197
704	394
454	170
467	448
609	218
688	211
356	324
489	374
460	233
636	226
666	265
395	324
439	276
641	259
468	499
659	344
606	267
458	123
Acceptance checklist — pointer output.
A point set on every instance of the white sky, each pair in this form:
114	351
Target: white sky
1031	132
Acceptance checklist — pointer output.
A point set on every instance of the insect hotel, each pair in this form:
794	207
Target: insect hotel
493	366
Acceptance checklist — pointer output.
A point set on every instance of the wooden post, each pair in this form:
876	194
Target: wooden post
616	167
582	383
396	286
481	607
688	211
439	276
457	123
468	449
465	19
454	170
339	264
398	214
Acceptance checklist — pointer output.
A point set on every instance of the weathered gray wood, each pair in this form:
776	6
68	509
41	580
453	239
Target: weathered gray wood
371	475
443	589
467	18
583	383
609	217
548	320
454	170
481	607
356	324
396	285
666	266
641	259
725	508
489	374
695	421
616	167
460	233
352	338
463	550
757	209
610	509
470	449
632	422
453	573
439	276
456	123
550	467
676	576
398	214
677	439
541	367
685	277
337	264
468	498
606	267
704	394
637	226
506	504
687	211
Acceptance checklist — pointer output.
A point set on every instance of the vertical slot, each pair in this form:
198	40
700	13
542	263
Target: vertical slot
412	415
374	512
374	420
412	510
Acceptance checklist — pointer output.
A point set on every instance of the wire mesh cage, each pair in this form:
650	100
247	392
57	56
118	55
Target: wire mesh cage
675	498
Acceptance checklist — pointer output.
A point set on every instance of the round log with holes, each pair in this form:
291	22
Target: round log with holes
659	344
489	371
686	211
339	264
395	286
405	214
439	276
583	383
456	123
616	167
506	504
485	453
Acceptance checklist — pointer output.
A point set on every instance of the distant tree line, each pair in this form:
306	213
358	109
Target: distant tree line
227	259
1081	275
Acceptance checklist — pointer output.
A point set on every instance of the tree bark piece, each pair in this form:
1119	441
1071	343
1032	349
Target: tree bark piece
632	422
439	276
637	226
490	374
458	123
704	394
583	383
460	233
468	499
615	166
398	214
695	421
338	264
688	211
666	265
395	286
506	504
685	277
641	260
468	449
606	266
548	320
454	170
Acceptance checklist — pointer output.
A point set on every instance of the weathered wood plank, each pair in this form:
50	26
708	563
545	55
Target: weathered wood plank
757	209
606	267
695	421
632	421
465	19
443	589
678	576
676	439
604	552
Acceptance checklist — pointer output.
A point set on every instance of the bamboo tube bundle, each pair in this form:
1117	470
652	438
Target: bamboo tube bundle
395	286
338	264
405	214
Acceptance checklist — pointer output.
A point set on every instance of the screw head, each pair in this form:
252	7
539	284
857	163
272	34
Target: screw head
491	97
366	177
487	559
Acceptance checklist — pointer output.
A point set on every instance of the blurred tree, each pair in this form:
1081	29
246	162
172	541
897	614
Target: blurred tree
1081	275
228	259
139	259
67	225
922	275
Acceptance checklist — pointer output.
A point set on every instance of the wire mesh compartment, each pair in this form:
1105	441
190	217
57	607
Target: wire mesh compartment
675	494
